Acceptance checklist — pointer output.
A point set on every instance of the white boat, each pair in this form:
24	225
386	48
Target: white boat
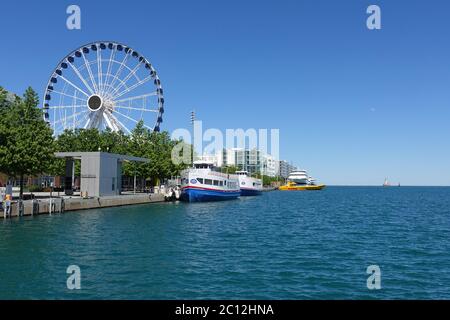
202	183
311	181
249	186
386	183
299	177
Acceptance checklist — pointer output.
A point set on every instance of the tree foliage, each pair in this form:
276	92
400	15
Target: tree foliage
26	146
155	146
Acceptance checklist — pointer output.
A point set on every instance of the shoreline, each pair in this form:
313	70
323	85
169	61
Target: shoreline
61	204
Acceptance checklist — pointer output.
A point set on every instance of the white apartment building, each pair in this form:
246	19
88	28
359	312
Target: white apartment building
270	166
253	161
285	169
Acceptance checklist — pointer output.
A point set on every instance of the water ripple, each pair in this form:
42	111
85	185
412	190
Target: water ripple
282	245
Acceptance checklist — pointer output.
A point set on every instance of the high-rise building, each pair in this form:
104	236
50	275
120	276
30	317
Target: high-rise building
285	169
253	161
270	166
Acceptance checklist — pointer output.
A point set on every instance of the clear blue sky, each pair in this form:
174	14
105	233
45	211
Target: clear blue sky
354	106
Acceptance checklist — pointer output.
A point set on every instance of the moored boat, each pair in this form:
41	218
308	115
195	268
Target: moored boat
292	186
300	181
299	177
249	186
202	183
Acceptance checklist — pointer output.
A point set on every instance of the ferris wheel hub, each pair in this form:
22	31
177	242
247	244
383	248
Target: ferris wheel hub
95	102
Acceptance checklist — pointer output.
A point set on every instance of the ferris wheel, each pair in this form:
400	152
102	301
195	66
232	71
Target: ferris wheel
103	85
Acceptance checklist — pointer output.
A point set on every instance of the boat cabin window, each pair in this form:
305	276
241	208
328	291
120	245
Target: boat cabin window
216	182
221	183
232	185
200	180
208	181
203	165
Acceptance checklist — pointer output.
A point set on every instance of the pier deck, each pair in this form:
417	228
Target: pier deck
64	204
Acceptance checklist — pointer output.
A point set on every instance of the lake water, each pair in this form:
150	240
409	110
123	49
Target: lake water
282	245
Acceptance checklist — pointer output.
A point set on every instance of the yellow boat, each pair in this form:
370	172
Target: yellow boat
292	186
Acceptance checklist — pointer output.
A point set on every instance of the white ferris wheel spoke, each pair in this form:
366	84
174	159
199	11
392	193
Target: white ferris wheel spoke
70	117
119	70
109	123
88	121
94	120
129	118
68	95
73	85
133	87
108	71
99	67
65	120
68	107
108	86
78	73
114	123
120	123
80	121
137	109
88	67
142	96
132	73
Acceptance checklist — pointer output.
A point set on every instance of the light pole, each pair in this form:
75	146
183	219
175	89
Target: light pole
193	137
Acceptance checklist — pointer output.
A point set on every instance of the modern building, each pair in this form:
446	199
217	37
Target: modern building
285	169
249	160
270	166
101	172
253	161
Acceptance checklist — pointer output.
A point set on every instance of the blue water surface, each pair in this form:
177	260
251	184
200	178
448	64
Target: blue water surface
281	245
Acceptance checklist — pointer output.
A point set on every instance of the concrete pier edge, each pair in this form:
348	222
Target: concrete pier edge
59	205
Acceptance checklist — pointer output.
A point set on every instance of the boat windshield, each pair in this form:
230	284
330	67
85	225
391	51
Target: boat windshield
203	165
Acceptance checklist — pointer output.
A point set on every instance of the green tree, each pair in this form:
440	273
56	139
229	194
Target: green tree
156	146
26	141
5	106
114	142
88	140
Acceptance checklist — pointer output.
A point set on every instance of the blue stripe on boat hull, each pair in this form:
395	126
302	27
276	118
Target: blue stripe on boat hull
250	192
200	195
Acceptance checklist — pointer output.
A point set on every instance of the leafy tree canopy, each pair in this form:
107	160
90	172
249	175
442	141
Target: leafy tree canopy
26	146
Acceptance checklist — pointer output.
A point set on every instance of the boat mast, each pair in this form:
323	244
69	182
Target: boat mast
193	138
